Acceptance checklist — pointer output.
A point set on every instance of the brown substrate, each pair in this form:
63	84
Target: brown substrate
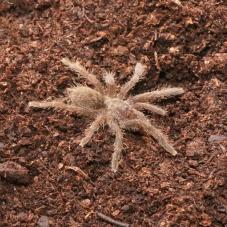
151	188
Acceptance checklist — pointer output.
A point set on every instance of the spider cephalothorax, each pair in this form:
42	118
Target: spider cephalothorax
111	105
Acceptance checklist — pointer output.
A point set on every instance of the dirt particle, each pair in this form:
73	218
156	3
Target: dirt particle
206	220
174	50
127	208
60	165
166	167
14	173
216	138
188	21
193	163
2	145
42	66
34	44
86	203
188	185
153	19
43	221
116	213
120	51
165	185
195	148
215	62
69	159
145	172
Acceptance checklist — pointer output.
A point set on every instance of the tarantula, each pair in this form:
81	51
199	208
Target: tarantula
111	105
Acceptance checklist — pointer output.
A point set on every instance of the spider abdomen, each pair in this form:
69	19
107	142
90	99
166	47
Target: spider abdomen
85	97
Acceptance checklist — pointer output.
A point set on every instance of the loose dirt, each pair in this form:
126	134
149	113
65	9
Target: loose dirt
183	45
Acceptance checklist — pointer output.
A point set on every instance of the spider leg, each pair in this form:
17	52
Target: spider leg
153	95
59	104
144	123
118	144
138	74
100	119
152	108
78	68
56	103
110	83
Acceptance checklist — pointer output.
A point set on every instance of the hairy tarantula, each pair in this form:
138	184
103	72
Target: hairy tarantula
113	106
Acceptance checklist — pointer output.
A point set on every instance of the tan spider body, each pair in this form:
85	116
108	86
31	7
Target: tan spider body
111	105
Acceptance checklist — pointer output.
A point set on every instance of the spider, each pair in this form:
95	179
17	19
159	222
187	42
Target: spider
111	105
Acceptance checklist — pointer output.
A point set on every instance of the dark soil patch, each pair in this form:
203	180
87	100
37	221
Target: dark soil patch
151	188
